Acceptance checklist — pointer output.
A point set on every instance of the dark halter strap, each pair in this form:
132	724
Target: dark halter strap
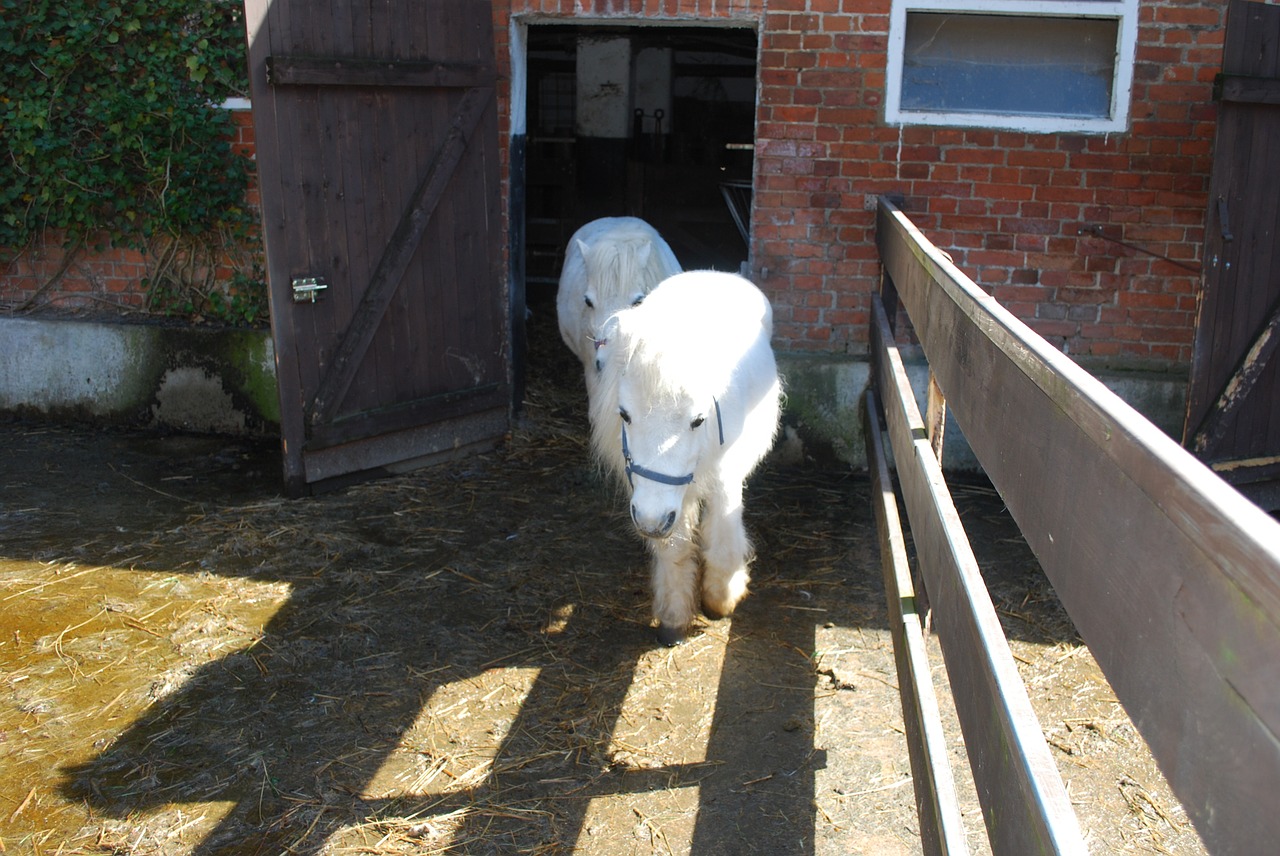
652	475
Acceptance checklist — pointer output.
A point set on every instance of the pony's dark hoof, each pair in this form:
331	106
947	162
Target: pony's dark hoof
670	636
713	613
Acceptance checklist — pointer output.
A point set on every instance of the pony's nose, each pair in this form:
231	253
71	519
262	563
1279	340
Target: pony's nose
653	529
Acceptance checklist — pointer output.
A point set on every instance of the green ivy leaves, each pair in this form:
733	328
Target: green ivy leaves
110	124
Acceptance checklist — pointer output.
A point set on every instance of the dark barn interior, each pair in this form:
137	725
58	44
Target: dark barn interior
678	153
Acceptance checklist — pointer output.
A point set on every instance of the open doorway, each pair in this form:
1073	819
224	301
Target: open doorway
656	122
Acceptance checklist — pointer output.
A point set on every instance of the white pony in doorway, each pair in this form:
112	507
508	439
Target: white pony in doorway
687	406
609	264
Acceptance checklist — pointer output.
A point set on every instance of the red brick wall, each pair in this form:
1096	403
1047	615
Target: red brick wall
1050	224
106	279
1036	219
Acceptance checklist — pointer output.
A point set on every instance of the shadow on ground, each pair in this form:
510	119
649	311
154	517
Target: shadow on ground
456	660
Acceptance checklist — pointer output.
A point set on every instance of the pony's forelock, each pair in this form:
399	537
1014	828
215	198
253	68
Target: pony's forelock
658	356
623	266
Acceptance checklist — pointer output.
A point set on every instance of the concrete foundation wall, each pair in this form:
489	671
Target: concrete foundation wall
825	400
192	379
223	381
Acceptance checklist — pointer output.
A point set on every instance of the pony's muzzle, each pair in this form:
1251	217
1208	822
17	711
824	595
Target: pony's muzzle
653	528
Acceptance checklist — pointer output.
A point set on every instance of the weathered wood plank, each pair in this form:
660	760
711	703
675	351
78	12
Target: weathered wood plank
1024	803
1241	384
356	71
936	416
399	417
396	257
1170	575
941	829
1246	90
277	227
400	451
1241	257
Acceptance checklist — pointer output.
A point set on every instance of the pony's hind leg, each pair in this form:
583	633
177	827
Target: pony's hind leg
726	551
675	583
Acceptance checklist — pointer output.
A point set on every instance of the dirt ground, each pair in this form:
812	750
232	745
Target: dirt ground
460	660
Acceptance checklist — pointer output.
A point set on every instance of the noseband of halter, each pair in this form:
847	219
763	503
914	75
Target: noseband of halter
652	475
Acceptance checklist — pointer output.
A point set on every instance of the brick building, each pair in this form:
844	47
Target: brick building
1083	217
1091	236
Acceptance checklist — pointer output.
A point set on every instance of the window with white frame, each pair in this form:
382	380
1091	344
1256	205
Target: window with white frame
1032	65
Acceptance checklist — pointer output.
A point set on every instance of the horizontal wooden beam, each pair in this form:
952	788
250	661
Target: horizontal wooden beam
1248	469
357	71
1247	90
405	415
401	451
1170	575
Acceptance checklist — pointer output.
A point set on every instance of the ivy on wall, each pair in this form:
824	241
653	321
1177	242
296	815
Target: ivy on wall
111	130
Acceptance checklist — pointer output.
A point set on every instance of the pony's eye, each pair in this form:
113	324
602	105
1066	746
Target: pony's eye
589	302
626	417
697	421
638	300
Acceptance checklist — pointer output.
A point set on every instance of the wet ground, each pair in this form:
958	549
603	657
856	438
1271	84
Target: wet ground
461	660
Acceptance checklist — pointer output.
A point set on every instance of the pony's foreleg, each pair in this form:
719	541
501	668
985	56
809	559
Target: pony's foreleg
725	552
675	583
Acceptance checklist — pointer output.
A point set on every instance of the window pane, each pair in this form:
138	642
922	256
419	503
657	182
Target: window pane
1042	66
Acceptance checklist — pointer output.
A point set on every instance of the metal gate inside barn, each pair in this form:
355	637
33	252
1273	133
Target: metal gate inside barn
1233	412
378	160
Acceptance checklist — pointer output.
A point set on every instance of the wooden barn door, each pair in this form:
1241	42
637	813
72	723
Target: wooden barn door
377	157
1233	412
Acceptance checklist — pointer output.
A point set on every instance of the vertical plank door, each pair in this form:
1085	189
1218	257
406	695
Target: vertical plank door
378	163
1233	408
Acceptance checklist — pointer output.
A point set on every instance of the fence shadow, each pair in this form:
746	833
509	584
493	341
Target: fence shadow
439	672
463	658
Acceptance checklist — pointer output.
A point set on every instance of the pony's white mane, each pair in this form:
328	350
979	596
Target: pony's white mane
609	263
668	347
625	263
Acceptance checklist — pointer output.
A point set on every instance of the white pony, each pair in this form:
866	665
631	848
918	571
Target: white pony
687	406
609	264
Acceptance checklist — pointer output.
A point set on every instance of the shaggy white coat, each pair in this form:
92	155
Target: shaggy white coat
609	264
699	342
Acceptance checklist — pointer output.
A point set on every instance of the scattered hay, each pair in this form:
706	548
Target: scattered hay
461	660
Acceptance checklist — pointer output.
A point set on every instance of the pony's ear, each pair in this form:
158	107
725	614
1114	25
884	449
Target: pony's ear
609	329
583	247
606	342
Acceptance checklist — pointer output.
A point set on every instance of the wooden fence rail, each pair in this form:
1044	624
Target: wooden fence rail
1171	577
